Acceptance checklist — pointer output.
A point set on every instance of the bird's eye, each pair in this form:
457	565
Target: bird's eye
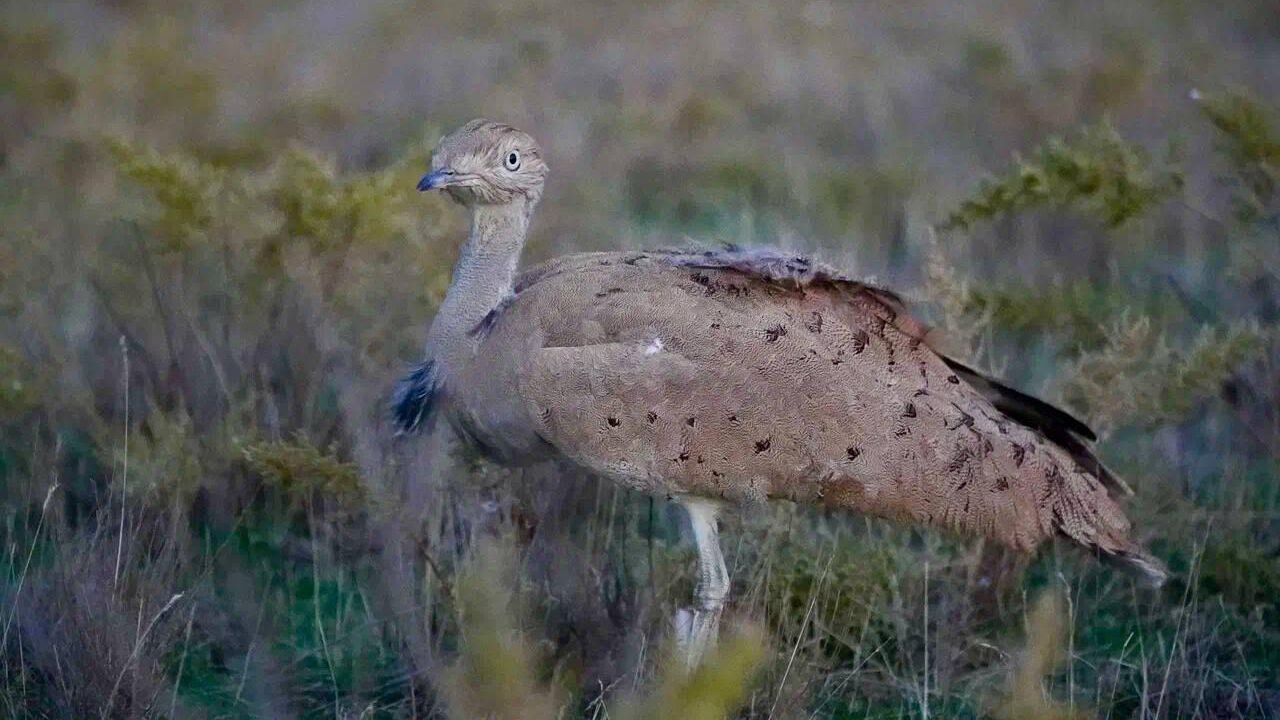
513	160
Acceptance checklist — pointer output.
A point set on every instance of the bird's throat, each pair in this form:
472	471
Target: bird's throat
483	279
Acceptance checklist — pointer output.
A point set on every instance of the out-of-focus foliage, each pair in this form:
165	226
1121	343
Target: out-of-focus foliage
1097	168
1127	370
213	264
715	689
497	675
17	392
1071	312
1249	139
300	468
184	191
1026	698
1137	376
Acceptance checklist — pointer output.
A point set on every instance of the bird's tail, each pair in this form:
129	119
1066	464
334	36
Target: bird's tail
1086	513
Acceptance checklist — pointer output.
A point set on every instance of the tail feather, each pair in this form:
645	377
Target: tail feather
1087	514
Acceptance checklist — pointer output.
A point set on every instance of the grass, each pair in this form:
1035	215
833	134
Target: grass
213	264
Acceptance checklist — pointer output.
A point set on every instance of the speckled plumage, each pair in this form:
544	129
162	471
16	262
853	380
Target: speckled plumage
776	378
734	376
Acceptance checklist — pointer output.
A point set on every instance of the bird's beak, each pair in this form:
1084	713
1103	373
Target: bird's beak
434	180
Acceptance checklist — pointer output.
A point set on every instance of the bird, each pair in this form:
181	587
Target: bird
732	377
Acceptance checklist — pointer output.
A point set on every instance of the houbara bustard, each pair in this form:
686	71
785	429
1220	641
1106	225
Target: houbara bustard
734	377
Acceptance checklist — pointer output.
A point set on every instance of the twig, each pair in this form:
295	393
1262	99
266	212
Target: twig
924	695
1188	598
148	269
795	649
148	363
137	648
13	609
253	641
315	593
182	663
124	485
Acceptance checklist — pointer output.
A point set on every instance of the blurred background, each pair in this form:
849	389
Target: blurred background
213	265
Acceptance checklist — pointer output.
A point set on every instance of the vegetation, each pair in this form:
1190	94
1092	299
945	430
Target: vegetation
213	264
1099	168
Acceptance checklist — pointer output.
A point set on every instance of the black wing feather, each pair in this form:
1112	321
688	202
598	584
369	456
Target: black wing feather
1020	406
1059	426
414	398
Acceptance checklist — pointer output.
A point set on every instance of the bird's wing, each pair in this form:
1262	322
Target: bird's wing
1056	424
619	409
1059	426
858	300
681	379
676	373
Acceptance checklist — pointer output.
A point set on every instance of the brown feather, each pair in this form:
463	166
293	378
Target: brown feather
1057	425
756	376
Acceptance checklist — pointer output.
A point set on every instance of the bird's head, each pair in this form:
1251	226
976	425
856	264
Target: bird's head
487	163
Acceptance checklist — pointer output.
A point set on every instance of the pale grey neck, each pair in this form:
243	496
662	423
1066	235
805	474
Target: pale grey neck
483	278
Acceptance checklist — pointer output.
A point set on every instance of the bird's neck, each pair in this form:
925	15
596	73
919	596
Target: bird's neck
483	279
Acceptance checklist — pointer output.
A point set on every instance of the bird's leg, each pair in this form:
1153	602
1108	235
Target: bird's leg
696	629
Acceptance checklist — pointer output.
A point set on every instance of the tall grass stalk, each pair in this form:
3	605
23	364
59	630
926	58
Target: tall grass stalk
124	480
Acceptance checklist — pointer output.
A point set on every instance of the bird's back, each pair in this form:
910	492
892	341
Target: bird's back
754	376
